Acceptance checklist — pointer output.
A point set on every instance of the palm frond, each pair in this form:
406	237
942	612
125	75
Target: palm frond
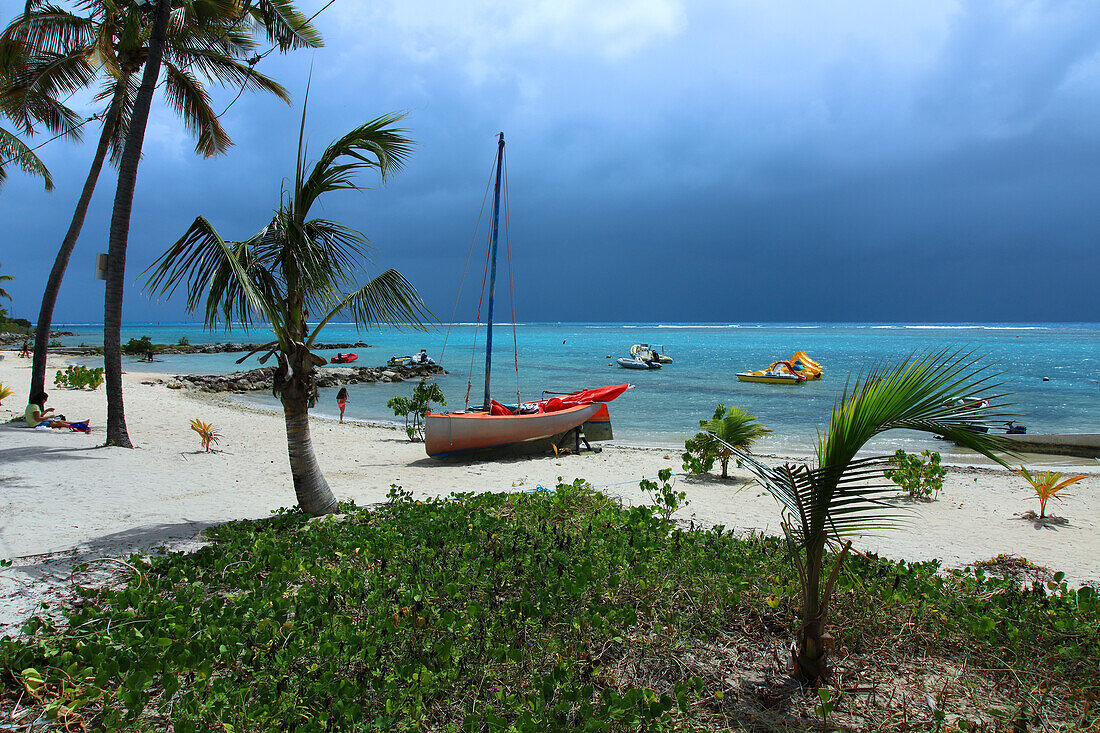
15	150
284	24
192	103
372	145
388	299
223	275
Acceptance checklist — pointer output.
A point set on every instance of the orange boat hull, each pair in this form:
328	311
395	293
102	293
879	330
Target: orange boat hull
454	432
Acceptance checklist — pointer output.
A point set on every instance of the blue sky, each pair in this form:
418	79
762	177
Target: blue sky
669	161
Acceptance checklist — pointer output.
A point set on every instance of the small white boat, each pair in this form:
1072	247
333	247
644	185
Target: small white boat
645	351
628	363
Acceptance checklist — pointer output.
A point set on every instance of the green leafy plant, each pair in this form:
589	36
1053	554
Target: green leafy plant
5	392
413	408
54	343
825	502
78	376
665	499
922	479
184	341
1046	485
732	427
143	345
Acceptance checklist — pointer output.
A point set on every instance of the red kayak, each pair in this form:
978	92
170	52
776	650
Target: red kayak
344	358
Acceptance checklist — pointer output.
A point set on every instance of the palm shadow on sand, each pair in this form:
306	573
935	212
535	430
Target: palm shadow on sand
1050	521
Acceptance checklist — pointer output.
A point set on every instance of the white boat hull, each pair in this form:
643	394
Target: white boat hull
454	432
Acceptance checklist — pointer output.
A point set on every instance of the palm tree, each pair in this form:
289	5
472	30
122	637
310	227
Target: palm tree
842	495
293	267
208	40
733	427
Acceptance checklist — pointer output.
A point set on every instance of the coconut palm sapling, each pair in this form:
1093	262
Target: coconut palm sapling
294	267
733	426
1046	485
840	495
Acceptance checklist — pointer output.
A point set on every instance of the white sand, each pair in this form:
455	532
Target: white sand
66	498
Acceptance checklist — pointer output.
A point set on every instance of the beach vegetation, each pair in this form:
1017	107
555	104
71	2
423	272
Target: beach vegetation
921	476
143	345
298	268
5	279
412	408
5	392
1046	485
184	341
665	499
78	376
558	610
60	49
208	433
732	427
836	497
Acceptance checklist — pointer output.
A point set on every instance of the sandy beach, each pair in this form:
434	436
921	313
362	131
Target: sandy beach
68	499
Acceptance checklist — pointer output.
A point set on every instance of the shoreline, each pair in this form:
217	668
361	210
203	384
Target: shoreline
67	499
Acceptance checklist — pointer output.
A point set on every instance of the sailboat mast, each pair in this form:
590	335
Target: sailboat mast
493	271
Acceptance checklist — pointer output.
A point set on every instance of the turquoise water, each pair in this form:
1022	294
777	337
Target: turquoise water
667	404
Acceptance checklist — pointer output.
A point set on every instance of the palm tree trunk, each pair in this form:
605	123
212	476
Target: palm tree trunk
310	487
61	263
810	664
120	232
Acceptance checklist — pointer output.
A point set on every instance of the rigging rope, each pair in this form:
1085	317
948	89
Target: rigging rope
477	321
466	267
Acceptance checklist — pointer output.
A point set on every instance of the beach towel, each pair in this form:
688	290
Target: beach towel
80	427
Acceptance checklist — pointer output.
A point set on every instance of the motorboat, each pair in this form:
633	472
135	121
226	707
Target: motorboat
780	372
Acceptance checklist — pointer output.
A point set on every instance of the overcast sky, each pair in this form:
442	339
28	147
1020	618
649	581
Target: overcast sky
668	161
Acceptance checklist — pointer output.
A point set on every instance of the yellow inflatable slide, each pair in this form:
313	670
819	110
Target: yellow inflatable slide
810	368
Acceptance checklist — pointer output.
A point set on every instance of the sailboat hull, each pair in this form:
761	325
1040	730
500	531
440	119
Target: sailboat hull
457	432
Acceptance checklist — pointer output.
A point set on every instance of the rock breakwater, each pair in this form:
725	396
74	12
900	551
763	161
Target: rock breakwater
262	379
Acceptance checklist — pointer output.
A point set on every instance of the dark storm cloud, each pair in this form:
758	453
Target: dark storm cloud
703	161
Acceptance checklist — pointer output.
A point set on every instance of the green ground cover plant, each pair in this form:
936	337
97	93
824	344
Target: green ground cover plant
549	611
78	376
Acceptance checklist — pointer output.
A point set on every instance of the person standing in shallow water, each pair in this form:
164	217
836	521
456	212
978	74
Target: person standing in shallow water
342	401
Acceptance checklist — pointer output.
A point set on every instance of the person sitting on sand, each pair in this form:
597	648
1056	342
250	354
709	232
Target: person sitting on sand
342	401
38	414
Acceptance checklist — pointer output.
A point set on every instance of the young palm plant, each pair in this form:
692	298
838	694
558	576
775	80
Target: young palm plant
842	495
294	267
733	427
1046	485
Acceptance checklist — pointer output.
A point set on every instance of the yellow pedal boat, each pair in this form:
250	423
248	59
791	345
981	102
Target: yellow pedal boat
780	372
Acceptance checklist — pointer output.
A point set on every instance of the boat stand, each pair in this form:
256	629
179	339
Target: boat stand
576	436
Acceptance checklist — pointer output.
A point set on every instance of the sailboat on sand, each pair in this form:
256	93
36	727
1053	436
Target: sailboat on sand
493	426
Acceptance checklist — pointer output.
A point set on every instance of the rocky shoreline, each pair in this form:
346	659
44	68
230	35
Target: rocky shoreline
262	379
219	348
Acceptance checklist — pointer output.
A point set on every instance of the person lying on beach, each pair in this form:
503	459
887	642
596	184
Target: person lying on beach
38	414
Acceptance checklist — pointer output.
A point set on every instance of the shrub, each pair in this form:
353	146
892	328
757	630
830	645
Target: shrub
143	345
665	500
411	408
54	343
923	479
5	392
184	341
78	376
734	426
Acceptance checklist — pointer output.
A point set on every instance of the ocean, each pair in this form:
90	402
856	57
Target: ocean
1053	370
